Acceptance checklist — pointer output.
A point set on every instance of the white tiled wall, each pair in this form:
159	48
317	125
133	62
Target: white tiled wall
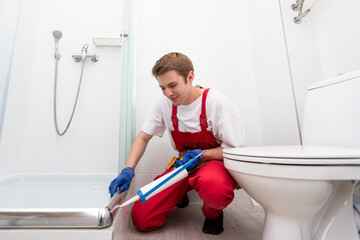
273	79
245	46
237	47
92	141
216	37
324	44
337	31
303	52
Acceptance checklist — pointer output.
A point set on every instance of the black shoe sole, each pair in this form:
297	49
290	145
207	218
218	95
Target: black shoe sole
213	227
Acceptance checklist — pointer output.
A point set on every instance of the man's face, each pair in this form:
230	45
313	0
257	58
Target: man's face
174	87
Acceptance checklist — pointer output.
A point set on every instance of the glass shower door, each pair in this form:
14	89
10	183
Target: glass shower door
9	13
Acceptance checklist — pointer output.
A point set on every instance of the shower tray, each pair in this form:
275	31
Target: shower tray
57	201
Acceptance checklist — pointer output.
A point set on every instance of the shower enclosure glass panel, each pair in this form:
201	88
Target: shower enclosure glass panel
9	12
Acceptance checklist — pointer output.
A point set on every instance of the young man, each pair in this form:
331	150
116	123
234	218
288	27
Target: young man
197	120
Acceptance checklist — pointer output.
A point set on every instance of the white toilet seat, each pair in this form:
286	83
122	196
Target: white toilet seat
295	155
295	162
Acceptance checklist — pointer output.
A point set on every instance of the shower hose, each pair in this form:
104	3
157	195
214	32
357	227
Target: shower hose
76	99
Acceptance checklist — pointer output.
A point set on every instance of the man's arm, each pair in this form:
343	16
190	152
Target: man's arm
213	154
138	149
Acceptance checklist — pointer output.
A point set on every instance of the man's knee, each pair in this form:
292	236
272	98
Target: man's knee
139	222
214	190
142	220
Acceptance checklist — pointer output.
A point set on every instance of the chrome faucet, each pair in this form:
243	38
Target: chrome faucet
84	55
84	51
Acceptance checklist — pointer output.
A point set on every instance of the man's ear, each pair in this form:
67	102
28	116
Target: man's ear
190	77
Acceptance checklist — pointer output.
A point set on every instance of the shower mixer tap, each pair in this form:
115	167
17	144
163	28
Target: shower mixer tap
84	51
84	55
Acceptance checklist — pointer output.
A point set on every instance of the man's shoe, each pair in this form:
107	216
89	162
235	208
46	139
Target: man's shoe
184	202
214	227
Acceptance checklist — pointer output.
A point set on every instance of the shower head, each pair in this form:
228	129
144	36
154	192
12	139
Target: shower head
57	35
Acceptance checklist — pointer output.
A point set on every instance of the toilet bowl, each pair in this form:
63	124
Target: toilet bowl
306	191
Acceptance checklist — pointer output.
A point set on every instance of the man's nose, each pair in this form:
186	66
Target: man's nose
168	92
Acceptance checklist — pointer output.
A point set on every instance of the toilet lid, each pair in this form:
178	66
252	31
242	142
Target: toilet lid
298	155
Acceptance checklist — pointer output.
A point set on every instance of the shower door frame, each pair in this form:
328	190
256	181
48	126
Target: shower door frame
127	106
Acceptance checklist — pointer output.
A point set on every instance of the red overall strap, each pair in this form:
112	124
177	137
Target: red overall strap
203	139
174	119
203	119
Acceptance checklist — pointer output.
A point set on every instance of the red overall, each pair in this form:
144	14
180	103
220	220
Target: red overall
212	182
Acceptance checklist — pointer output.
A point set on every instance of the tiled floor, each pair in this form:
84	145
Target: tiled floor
241	222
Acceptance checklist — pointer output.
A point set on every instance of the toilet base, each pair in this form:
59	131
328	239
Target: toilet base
302	209
282	228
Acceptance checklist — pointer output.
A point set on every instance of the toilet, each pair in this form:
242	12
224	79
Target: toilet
307	191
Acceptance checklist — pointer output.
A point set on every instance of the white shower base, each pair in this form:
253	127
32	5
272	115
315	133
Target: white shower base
60	207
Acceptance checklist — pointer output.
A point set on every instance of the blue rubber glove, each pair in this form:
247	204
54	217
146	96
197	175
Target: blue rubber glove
122	181
187	157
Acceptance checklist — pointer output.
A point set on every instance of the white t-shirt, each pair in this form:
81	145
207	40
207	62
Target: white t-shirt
223	118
